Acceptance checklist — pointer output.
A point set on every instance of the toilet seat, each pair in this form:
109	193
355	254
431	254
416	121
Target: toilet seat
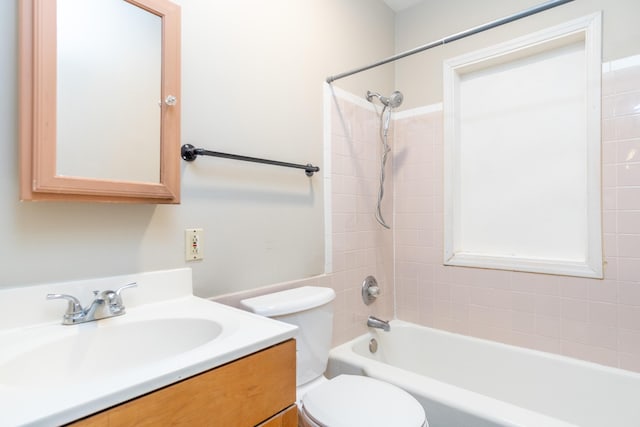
352	400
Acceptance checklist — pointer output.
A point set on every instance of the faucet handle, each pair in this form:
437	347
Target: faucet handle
370	290
114	300
74	306
128	285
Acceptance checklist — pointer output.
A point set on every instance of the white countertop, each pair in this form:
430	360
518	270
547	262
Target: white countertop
48	402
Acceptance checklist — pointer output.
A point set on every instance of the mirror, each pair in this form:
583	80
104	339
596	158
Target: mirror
100	81
111	71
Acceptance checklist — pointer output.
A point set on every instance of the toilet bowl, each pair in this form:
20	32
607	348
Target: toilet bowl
353	400
343	401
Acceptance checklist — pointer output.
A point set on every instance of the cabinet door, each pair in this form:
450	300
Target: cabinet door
242	393
286	418
118	141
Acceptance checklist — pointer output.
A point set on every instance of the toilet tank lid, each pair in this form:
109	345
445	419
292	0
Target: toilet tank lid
289	301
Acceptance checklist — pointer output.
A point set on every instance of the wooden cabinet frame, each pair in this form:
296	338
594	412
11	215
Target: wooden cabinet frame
37	125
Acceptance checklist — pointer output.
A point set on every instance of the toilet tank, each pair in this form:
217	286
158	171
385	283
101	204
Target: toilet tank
310	309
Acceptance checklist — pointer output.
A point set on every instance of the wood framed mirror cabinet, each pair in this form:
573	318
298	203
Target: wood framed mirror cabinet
99	100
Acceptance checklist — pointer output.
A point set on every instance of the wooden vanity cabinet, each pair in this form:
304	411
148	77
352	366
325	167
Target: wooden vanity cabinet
256	390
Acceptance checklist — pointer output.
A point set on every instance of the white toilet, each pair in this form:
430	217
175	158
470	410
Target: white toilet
346	400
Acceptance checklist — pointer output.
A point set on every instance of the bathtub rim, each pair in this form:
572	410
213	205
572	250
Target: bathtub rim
475	403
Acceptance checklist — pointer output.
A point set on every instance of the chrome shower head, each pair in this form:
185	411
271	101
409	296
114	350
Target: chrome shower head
393	101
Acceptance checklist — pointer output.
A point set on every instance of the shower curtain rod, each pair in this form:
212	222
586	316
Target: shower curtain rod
475	30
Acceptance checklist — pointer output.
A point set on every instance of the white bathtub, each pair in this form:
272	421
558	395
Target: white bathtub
464	381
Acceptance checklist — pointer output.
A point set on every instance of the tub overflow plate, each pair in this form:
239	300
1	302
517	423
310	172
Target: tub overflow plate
373	345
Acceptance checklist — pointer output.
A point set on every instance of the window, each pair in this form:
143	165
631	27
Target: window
522	153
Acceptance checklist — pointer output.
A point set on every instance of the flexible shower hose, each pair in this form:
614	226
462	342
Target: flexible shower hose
384	130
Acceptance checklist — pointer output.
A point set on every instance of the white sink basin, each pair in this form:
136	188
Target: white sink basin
52	374
95	349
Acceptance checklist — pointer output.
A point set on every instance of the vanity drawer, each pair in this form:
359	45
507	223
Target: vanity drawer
246	392
286	418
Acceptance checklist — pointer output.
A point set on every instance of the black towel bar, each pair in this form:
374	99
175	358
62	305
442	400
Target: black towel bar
190	153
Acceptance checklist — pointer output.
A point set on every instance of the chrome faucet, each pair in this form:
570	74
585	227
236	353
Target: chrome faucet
374	322
105	304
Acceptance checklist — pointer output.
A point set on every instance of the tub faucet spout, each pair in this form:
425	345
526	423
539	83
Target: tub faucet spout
374	322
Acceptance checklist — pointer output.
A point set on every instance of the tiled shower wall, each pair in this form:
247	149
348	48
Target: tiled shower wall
361	247
594	320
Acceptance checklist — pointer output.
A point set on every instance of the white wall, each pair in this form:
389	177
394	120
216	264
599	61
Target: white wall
252	75
420	76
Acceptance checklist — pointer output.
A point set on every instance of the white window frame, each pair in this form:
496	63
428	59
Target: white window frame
587	29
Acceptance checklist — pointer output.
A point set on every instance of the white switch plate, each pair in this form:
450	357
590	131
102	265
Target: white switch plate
193	244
